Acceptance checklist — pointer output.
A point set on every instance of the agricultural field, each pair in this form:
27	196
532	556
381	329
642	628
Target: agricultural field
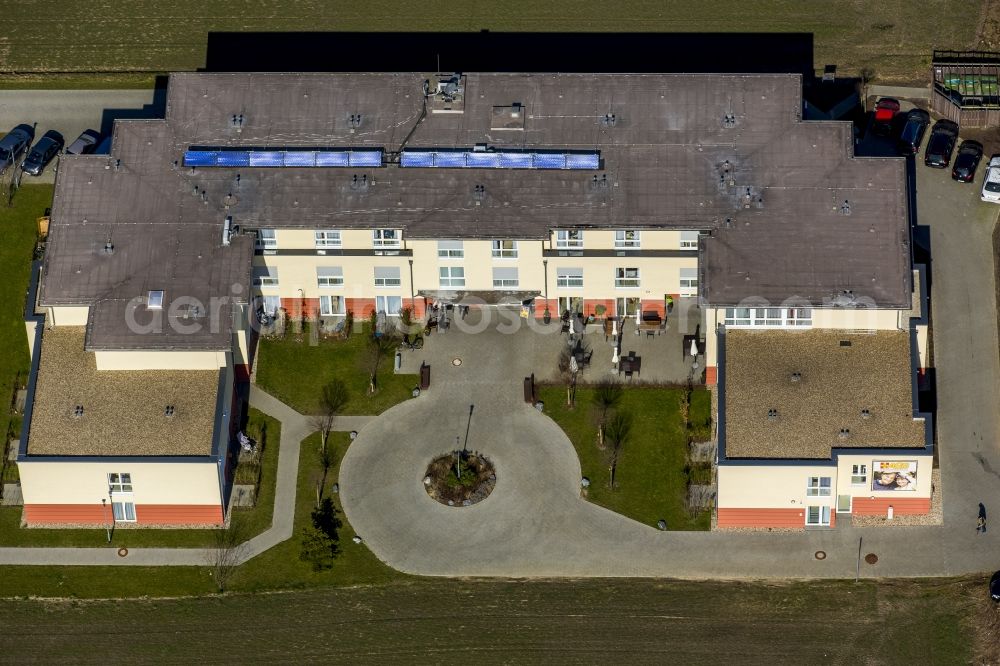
639	621
894	39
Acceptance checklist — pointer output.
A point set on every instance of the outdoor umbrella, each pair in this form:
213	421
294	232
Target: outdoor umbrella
694	347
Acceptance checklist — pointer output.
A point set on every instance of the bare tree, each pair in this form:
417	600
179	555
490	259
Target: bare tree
335	396
617	430
230	544
379	346
606	397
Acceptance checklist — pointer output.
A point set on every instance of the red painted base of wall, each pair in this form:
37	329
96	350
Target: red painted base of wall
362	308
761	518
299	308
901	506
711	375
145	514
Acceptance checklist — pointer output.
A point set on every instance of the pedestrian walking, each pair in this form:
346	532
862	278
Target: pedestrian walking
981	520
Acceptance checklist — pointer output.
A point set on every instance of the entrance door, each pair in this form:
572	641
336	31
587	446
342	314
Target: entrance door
817	515
626	307
572	304
843	503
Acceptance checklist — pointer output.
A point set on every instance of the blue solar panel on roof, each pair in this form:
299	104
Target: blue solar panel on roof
482	160
416	158
332	158
295	158
449	159
196	158
233	158
550	161
509	160
366	158
583	161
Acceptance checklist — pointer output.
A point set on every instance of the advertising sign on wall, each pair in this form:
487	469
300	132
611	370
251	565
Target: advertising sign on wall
894	475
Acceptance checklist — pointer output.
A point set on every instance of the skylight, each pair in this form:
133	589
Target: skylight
155	300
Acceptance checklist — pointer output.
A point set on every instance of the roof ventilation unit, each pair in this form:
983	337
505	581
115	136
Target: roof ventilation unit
227	230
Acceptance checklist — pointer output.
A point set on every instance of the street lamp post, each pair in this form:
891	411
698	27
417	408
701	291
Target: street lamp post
104	504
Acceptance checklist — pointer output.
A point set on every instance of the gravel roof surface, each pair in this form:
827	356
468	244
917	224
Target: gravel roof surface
123	409
837	383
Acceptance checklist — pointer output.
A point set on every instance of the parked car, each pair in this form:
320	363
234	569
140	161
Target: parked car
885	111
912	135
42	153
991	183
969	154
941	144
15	144
85	143
995	587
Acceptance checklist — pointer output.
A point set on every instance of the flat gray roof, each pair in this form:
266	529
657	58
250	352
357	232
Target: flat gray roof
671	159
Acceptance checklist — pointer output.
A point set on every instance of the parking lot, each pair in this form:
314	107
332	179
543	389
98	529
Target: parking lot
70	112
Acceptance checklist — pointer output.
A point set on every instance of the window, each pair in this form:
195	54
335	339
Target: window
330	276
388	305
123	511
327	238
627	278
451	249
818	486
266	239
504	278
818	515
504	249
120	482
265	276
387	276
859	475
569	278
386	237
689	282
331	305
689	240
270	304
452	276
627	239
799	316
569	239
154	301
768	317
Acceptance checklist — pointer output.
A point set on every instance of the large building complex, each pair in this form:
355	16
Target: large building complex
319	194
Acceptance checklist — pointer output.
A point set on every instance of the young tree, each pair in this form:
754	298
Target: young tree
230	543
606	397
335	396
320	542
617	430
379	347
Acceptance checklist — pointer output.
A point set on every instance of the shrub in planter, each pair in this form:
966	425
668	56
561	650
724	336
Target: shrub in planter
599	310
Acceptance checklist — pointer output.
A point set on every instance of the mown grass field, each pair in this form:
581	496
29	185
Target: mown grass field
442	621
893	37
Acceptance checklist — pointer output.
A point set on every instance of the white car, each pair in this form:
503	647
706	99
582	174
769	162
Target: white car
991	184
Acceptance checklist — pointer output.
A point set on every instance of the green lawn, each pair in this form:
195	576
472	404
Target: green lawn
280	568
277	569
651	481
19	235
894	37
295	371
256	520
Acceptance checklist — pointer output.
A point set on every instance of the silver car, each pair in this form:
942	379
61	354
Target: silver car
991	183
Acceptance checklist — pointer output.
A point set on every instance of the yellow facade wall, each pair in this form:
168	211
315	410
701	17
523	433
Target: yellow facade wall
845	465
772	487
160	360
87	482
68	316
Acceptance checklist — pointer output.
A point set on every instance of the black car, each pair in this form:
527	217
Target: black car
942	142
969	154
916	124
995	587
42	153
13	145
